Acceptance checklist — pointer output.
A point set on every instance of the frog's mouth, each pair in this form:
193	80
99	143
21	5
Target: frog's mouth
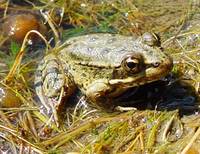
150	74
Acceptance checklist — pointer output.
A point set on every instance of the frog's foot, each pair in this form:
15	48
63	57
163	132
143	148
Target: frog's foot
52	85
96	93
102	93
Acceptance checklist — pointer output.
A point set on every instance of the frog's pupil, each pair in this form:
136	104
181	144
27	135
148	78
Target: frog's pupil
131	65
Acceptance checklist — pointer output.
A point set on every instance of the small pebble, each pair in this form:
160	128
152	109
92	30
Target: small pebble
16	26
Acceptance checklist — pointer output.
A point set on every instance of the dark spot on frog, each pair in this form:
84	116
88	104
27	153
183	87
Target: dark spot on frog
72	68
83	75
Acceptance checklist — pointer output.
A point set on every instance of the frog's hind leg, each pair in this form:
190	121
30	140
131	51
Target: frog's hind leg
52	84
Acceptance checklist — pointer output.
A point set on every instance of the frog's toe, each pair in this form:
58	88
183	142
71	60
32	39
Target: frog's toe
98	93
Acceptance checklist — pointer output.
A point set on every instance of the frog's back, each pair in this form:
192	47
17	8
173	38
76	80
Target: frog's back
101	47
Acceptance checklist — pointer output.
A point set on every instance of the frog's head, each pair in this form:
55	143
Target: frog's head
145	63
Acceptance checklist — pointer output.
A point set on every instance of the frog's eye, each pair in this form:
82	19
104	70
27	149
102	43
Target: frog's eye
131	64
151	39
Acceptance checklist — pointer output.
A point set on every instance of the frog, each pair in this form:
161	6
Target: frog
102	66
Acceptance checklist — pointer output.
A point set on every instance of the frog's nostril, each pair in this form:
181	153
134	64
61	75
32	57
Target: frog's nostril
156	64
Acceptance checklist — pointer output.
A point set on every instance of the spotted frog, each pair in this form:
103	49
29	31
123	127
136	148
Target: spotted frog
103	66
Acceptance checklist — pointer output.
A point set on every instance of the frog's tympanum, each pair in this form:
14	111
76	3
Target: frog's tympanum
103	66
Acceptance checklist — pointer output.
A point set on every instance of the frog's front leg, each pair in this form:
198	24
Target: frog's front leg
52	84
102	93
